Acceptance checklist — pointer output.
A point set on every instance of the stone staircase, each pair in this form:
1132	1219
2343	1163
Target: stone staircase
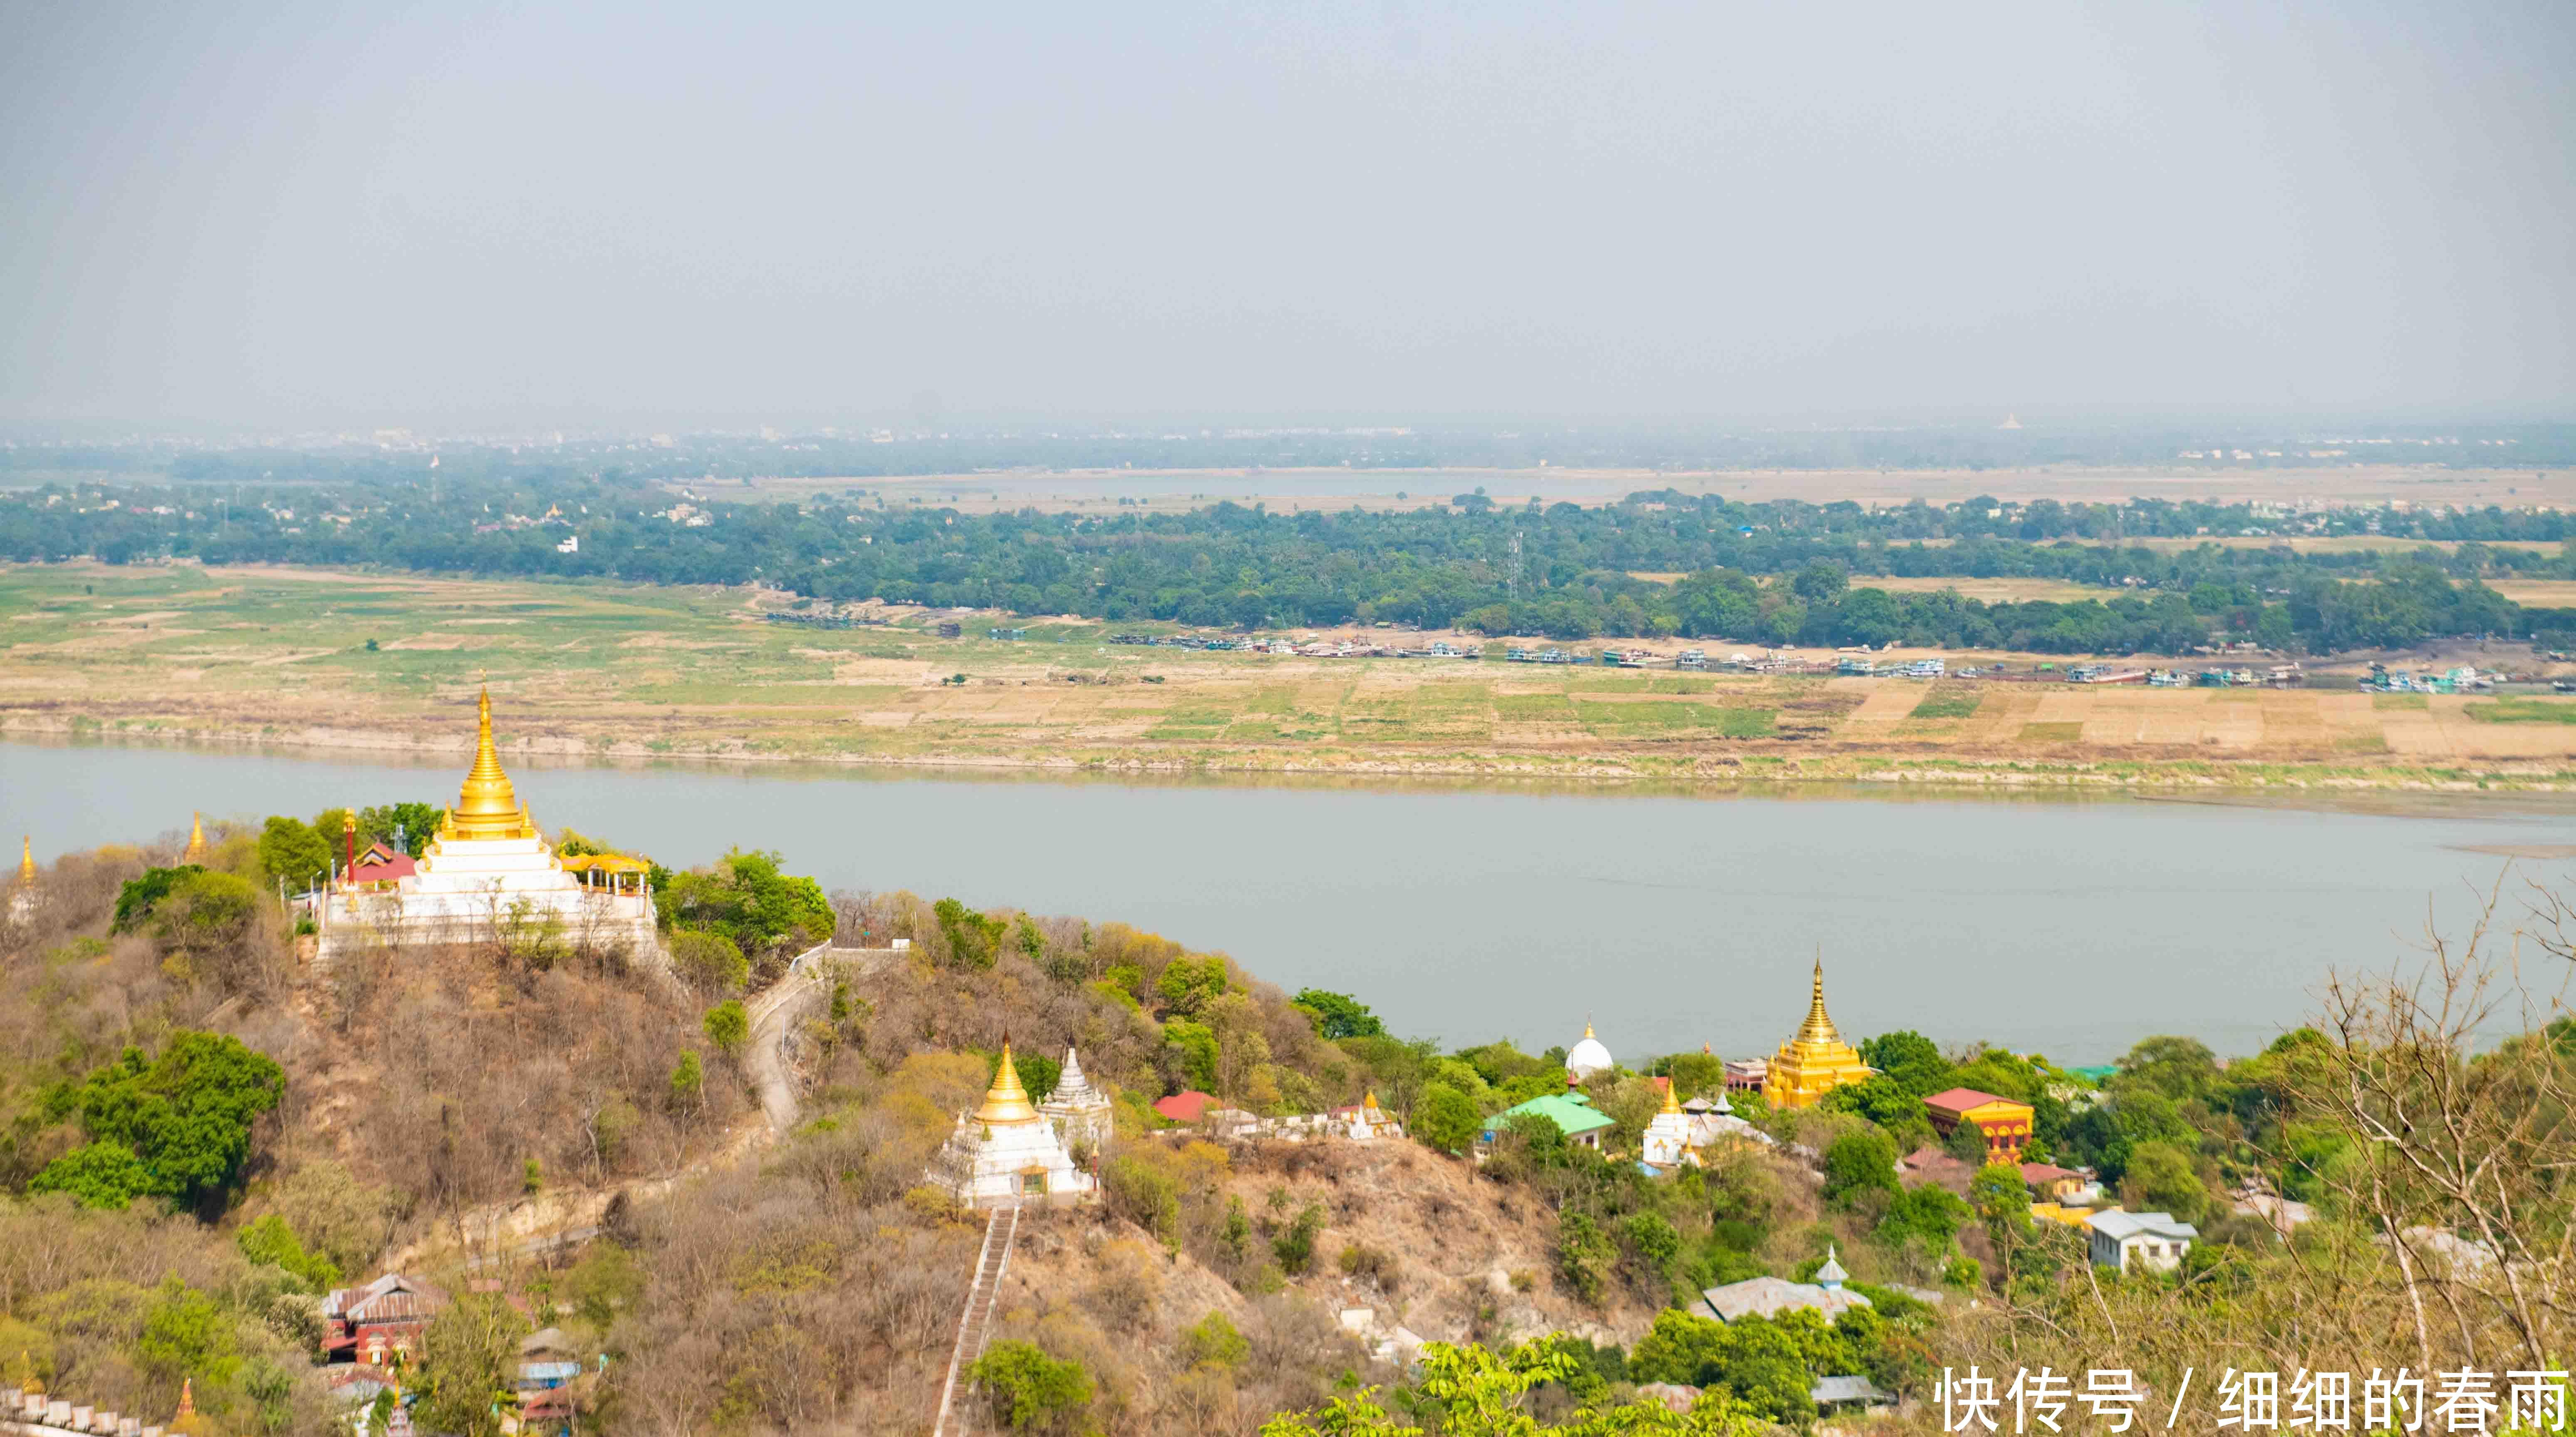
1001	1229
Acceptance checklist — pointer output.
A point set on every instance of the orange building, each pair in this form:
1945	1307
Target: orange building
2004	1123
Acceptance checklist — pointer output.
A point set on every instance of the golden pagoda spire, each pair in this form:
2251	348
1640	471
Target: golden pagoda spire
187	1397
195	852
487	806
1818	1028
1006	1101
1672	1096
27	859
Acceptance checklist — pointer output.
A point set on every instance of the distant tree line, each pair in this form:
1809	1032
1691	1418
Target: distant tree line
1773	572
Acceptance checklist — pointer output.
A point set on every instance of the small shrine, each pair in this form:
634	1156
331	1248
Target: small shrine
1666	1144
1079	1112
1006	1152
1367	1122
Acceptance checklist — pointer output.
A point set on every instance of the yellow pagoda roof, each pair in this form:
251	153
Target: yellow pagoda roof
1819	1027
1006	1101
195	852
26	858
487	806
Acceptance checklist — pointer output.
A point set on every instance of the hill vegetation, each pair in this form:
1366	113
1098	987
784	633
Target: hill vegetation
202	1134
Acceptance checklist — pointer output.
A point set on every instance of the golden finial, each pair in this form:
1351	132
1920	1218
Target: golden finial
1006	1101
187	1397
1369	1101
1818	1028
27	859
1672	1096
195	852
1587	1025
487	806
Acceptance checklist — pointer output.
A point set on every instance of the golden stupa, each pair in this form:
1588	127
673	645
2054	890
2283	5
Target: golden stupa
487	807
27	860
195	852
1815	1062
1006	1101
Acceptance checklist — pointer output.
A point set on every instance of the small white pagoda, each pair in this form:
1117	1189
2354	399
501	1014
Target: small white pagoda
1078	1111
1666	1144
488	872
1007	1152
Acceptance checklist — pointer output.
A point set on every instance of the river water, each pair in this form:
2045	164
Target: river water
2070	926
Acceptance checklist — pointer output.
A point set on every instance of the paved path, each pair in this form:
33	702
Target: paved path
775	1014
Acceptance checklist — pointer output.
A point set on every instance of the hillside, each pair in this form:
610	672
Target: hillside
204	1133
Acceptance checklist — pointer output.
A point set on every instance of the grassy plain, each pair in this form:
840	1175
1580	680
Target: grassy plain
620	671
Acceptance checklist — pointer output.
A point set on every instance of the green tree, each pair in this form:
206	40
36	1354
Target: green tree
468	1357
710	962
1294	1247
1213	1341
269	1239
688	1081
2160	1178
973	938
1584	1254
1338	1015
727	1027
1189	985
185	1117
289	849
1030	1390
137	897
1446	1119
1859	1162
104	1175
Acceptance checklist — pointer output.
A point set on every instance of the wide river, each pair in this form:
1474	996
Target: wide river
2070	926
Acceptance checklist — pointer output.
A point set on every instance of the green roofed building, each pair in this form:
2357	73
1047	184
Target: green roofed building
1572	1113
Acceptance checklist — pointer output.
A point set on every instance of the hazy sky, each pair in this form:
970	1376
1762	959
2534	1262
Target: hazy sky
287	212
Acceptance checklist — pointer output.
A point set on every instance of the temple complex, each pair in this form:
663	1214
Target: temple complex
1815	1062
1078	1111
1006	1152
488	876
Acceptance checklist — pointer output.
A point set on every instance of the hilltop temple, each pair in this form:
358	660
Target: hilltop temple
1815	1062
1007	1152
488	873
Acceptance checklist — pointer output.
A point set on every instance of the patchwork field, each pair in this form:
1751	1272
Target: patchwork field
327	659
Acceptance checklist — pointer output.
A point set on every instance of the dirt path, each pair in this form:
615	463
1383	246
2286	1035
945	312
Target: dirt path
532	1225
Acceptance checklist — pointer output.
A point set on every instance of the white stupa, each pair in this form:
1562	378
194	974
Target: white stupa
1006	1151
1078	1111
488	870
1666	1143
1587	1057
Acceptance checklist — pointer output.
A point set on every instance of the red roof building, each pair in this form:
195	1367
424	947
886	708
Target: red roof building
380	864
369	1324
1186	1107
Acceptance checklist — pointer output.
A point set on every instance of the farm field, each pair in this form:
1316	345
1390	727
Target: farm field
603	671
